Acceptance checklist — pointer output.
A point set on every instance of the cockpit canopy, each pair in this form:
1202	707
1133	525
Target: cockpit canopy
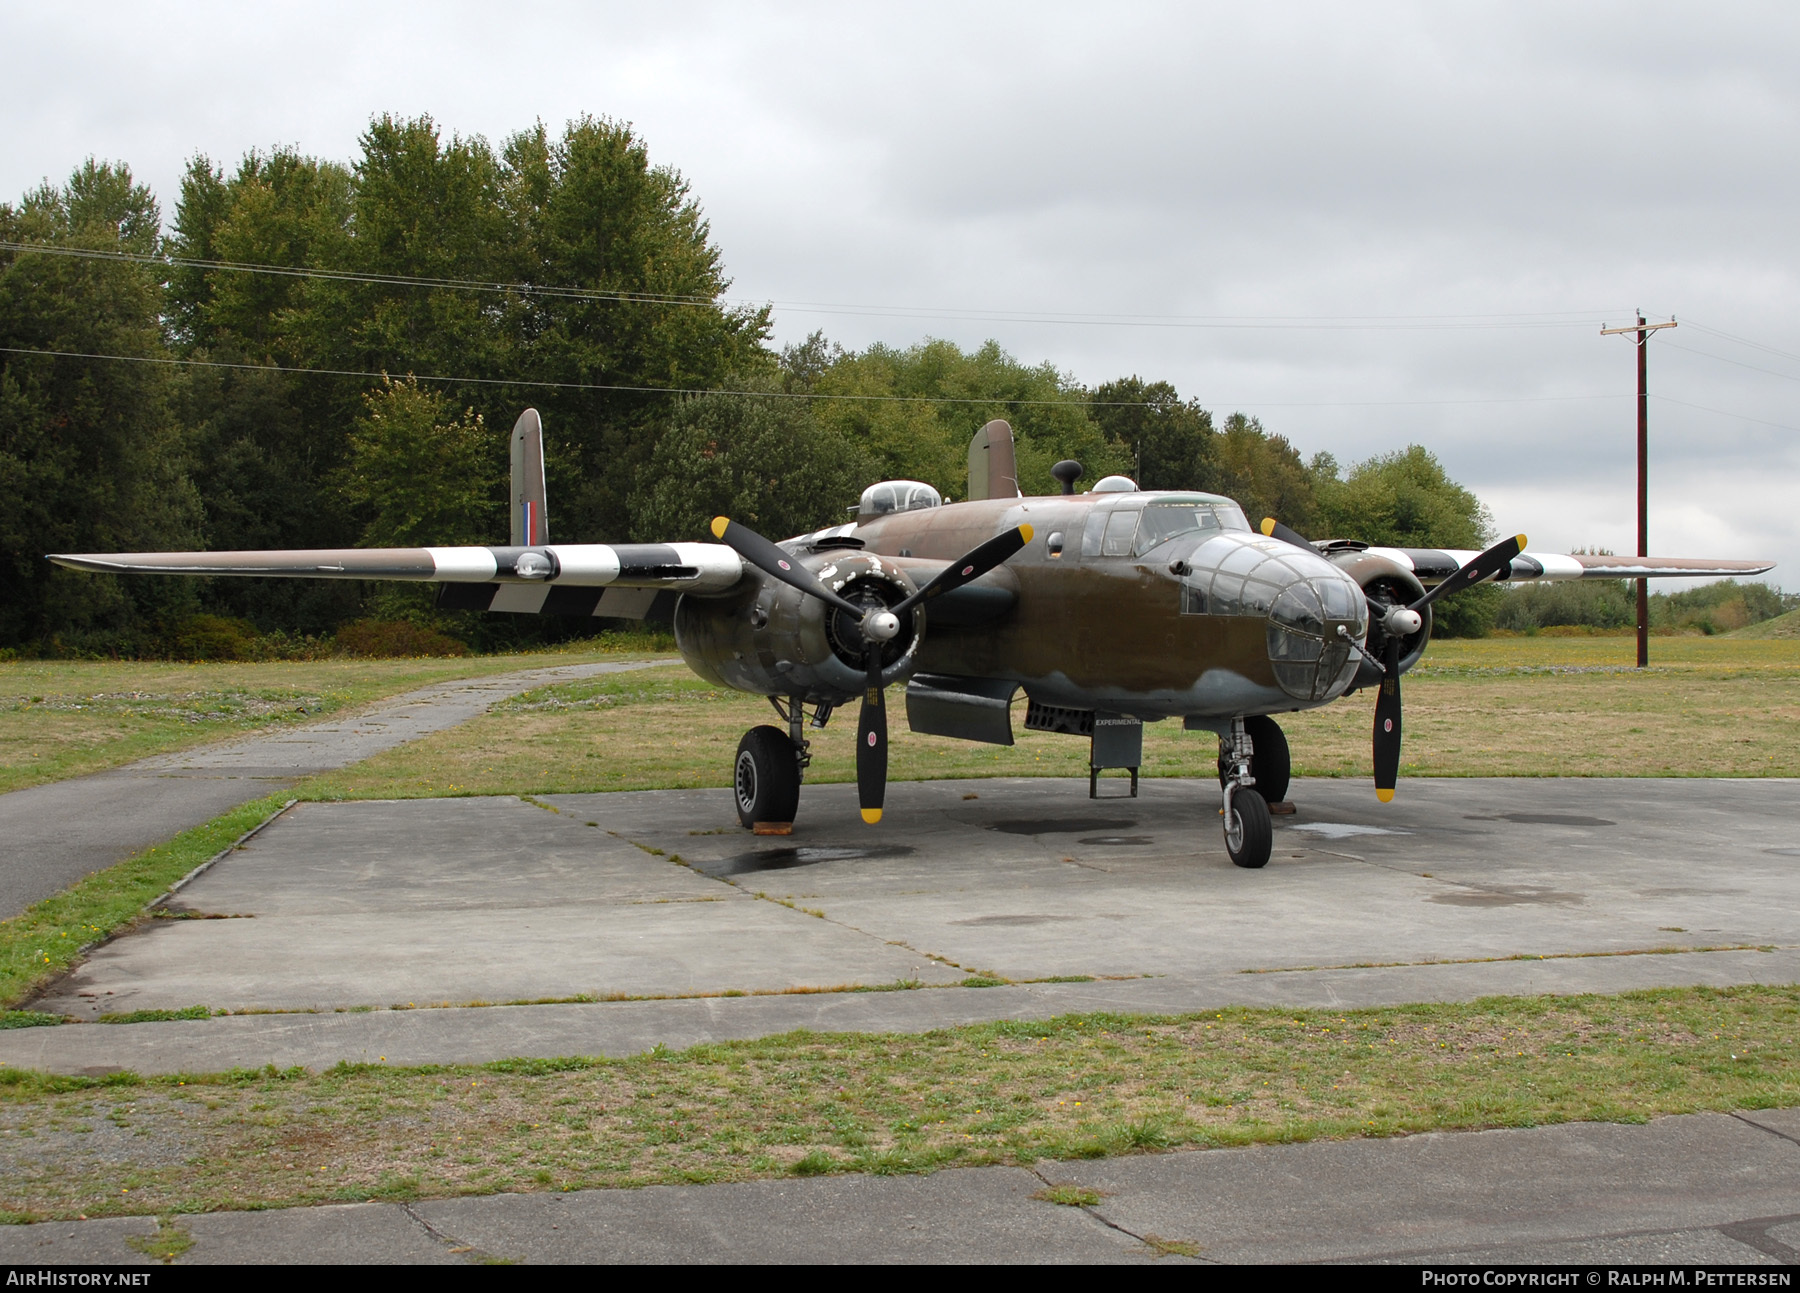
1135	529
896	496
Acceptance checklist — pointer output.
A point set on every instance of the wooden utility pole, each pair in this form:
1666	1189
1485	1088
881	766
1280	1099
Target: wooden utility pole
1642	332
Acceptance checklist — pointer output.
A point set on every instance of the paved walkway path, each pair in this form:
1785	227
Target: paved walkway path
58	833
1706	1190
479	1035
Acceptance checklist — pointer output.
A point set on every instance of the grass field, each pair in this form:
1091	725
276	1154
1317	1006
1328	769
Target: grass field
64	718
1500	707
806	1104
809	1103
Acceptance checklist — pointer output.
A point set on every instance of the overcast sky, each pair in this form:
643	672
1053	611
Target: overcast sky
1314	213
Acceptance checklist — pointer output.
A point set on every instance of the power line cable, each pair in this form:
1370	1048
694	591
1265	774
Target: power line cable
1403	322
549	385
1725	413
786	395
1670	345
1742	341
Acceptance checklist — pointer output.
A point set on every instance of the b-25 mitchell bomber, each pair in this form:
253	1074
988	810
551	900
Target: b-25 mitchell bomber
1110	608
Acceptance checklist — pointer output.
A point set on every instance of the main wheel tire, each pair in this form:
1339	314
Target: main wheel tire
1271	765
1249	832
766	778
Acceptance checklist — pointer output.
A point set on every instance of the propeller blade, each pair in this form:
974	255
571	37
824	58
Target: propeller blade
1397	623
1387	723
1486	566
1276	530
872	741
972	565
775	563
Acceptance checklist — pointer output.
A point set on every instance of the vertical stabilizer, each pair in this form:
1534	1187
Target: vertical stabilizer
530	526
992	473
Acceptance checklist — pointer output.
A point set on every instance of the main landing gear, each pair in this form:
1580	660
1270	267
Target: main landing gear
770	766
1254	771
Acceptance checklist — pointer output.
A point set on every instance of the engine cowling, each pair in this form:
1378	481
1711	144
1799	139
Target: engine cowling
771	639
1385	582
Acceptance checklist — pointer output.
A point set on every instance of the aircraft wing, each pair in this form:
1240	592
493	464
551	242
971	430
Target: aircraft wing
621	580
1434	565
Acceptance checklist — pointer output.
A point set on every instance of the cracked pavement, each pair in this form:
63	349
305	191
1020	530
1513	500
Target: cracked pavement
1704	1189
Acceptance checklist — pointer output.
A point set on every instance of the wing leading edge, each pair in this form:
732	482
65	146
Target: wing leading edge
1434	565
620	580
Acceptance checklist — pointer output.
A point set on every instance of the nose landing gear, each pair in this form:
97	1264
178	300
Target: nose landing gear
1249	830
1270	763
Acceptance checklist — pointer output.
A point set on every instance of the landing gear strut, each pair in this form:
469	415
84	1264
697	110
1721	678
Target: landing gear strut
1269	761
770	766
1249	831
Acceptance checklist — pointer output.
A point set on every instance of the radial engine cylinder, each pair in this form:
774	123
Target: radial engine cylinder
771	639
1386	583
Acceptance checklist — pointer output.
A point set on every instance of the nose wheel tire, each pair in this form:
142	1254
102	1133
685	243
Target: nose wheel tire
766	778
1270	764
1249	831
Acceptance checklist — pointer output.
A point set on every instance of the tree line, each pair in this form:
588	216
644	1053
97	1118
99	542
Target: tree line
358	385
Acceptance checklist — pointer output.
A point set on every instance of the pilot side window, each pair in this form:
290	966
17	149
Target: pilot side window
1121	529
1109	533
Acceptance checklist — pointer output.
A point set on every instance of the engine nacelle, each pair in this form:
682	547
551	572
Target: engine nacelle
771	639
1385	582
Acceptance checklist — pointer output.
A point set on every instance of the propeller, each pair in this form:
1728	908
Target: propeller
1276	530
1400	622
877	624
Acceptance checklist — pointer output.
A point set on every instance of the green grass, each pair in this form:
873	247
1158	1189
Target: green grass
65	718
1782	626
170	1241
155	1016
1542	706
44	940
809	1103
1069	1196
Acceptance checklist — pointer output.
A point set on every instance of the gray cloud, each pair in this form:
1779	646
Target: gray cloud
1302	160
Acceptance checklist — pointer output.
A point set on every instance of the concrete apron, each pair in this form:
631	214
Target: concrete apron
342	912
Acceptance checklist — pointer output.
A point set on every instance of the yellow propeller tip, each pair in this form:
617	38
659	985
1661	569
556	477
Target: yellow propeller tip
1385	796
718	526
871	815
1025	532
1521	539
1268	525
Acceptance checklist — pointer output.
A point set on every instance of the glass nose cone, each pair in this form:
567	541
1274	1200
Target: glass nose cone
1311	657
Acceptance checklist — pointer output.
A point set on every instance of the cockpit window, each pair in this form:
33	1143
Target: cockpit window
1120	526
1172	519
897	496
